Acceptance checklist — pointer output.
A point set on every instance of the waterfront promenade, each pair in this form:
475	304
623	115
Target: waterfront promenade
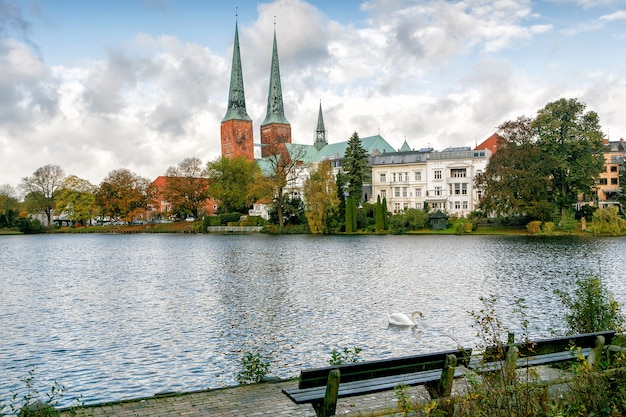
255	400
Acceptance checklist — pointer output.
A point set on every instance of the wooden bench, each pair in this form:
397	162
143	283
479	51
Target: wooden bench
321	387
544	351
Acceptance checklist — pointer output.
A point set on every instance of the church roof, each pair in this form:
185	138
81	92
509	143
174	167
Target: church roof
405	147
236	96
373	145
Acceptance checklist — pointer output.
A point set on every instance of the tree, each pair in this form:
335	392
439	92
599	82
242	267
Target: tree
124	195
187	187
380	222
40	189
284	166
542	162
236	183
350	215
355	167
572	149
9	206
321	197
76	199
515	178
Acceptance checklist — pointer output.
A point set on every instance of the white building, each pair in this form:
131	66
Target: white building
442	180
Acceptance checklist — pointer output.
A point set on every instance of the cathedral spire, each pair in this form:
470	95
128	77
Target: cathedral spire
320	132
275	110
236	97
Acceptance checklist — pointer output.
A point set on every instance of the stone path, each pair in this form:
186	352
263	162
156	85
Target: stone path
254	400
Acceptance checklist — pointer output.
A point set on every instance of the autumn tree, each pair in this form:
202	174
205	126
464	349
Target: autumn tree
40	189
283	164
236	182
515	178
76	199
322	201
9	206
572	147
355	167
187	187
124	195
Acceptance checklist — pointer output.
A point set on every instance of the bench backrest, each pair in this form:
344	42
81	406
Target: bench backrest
317	377
559	344
551	345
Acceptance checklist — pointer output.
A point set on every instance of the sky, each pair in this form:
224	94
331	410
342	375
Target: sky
95	86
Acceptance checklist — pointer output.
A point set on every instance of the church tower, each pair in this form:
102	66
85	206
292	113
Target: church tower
320	132
275	128
236	130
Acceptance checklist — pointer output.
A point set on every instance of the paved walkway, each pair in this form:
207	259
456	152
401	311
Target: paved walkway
254	400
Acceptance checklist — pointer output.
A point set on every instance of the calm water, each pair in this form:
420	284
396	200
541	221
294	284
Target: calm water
122	316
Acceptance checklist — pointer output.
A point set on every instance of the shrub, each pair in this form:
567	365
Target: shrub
548	227
31	403
591	308
534	227
254	369
346	355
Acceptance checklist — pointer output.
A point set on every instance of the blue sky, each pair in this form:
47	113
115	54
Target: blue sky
95	86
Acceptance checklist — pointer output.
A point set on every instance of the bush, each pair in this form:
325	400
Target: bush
592	308
345	356
31	403
254	369
548	227
534	227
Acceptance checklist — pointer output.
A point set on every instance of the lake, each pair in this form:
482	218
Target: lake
114	317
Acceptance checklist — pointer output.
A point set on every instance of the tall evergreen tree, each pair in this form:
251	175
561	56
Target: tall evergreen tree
380	222
355	167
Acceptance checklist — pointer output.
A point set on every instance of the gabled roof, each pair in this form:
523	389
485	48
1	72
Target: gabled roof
405	147
490	143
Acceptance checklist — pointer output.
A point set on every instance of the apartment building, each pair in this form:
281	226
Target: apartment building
440	180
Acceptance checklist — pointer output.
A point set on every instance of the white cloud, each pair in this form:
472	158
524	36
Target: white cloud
436	73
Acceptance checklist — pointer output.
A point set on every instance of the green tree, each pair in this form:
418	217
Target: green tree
572	149
236	182
385	214
9	206
124	195
76	199
607	221
187	187
351	215
322	201
380	211
355	167
40	188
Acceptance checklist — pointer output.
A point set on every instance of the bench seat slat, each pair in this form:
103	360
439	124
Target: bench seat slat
366	386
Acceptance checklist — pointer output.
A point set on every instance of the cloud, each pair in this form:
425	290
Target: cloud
434	72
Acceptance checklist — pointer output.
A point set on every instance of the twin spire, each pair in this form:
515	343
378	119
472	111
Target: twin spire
236	96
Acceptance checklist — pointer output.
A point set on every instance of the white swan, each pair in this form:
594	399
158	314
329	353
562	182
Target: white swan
401	319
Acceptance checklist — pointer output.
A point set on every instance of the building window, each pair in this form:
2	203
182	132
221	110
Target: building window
437	174
458	173
396	192
465	205
464	188
383	194
396	207
613	181
404	191
406	206
400	177
437	191
457	205
613	168
383	177
419	206
418	175
394	177
603	181
418	192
